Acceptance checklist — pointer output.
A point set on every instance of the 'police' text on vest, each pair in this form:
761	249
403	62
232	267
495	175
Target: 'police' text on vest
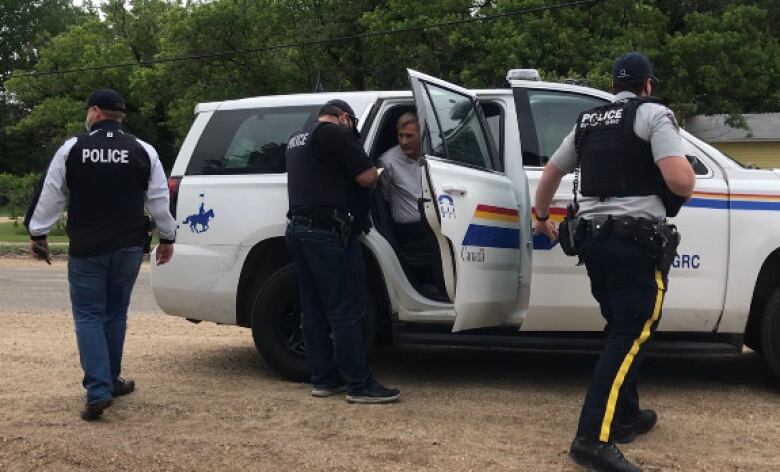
606	118
105	156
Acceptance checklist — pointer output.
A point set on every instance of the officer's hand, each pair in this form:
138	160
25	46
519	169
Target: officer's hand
547	228
40	250
164	253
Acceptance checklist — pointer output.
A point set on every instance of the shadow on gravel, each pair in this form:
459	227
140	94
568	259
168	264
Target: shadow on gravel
562	369
503	367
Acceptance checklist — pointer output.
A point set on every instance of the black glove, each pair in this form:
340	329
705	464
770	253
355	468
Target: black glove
40	247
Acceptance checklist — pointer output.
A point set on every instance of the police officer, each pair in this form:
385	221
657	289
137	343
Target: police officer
634	174
106	176
328	178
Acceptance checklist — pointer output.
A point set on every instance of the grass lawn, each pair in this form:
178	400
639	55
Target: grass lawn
18	234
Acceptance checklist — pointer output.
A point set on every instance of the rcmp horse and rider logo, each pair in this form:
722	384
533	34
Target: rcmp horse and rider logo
201	218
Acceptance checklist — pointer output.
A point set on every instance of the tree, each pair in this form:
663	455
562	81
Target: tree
26	27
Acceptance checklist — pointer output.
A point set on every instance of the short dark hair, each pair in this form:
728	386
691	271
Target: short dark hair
330	110
635	86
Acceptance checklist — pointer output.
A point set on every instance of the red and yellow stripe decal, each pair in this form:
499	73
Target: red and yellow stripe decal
487	212
734	201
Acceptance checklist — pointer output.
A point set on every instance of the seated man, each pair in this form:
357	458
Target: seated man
400	181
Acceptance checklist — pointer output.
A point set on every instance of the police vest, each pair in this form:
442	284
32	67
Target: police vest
614	161
107	173
313	184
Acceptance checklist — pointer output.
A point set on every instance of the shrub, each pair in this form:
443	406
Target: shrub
16	191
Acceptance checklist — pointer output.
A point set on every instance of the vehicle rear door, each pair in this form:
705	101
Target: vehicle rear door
471	206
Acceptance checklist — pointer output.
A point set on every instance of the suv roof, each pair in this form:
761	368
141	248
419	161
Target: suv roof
362	99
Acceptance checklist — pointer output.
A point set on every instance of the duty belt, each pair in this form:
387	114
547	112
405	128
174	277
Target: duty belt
326	224
659	239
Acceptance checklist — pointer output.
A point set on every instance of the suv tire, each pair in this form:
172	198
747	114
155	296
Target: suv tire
276	321
770	332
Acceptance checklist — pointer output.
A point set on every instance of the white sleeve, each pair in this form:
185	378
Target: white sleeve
656	123
49	203
158	196
565	157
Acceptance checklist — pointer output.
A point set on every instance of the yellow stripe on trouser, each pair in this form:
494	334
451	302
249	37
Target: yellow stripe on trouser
629	359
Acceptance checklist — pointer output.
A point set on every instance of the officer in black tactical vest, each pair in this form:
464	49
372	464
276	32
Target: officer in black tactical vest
329	177
629	158
107	177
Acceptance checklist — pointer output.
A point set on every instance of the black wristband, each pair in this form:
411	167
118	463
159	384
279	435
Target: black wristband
542	218
167	241
38	238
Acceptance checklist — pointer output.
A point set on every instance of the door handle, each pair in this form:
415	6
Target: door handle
455	189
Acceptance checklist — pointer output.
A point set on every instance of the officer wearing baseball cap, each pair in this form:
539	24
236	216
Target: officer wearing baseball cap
107	177
634	175
328	180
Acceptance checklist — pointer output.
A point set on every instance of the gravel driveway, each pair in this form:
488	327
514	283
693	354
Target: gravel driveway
206	402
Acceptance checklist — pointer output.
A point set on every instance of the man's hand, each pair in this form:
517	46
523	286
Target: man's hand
547	228
40	250
164	253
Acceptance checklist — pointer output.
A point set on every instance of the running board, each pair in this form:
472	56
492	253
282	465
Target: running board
663	344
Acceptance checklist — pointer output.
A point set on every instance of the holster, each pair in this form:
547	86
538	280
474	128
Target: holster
343	226
669	241
571	232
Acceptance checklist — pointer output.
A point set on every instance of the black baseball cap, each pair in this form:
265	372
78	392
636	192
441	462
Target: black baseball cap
343	106
107	99
633	66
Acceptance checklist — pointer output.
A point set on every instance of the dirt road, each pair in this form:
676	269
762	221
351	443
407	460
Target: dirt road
206	402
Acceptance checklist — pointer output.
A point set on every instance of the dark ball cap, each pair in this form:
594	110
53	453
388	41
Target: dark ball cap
341	105
107	99
632	66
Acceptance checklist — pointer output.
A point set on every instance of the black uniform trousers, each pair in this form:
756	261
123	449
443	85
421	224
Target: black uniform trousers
630	291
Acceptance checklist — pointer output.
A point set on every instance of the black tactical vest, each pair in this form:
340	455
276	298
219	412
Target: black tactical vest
614	161
107	173
314	185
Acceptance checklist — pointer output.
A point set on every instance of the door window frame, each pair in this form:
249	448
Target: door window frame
496	166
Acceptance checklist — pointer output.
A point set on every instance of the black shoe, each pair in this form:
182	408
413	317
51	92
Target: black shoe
322	392
602	457
94	411
123	387
376	393
644	422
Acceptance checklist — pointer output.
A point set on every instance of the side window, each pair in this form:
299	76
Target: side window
455	128
554	114
247	141
494	116
695	157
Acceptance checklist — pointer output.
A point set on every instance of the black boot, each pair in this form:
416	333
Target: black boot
93	411
603	457
644	422
122	387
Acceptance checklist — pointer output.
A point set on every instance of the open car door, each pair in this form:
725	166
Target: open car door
471	206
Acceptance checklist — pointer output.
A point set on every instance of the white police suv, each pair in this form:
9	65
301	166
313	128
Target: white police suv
493	283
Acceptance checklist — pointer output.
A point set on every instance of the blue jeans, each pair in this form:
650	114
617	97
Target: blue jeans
100	288
332	291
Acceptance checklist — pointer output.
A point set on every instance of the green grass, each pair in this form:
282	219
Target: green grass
11	233
4	211
24	248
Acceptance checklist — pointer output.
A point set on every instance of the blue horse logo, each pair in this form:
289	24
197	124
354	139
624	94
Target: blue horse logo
200	218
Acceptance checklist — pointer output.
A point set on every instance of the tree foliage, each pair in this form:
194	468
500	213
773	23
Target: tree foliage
712	55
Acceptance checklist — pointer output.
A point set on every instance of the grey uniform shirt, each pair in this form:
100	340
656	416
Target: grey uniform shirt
400	184
654	123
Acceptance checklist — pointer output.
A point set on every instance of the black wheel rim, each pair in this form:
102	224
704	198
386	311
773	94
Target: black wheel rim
287	328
